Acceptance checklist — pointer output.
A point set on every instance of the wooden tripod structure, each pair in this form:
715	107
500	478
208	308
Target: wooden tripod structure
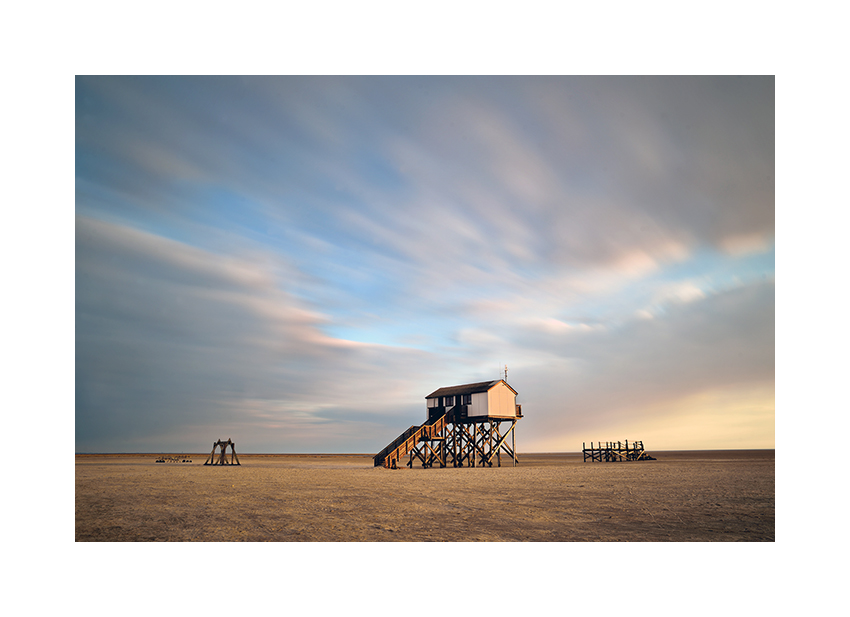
222	460
451	439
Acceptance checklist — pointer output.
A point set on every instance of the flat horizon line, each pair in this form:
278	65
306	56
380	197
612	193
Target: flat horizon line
372	455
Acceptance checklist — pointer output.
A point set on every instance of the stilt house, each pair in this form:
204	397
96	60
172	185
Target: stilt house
463	427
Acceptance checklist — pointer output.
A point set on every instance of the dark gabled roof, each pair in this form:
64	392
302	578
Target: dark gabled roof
470	388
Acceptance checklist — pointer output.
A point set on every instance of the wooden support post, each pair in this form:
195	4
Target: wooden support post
454	452
490	444
513	442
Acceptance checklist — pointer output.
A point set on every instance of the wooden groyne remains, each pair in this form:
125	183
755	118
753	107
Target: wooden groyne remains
615	451
183	458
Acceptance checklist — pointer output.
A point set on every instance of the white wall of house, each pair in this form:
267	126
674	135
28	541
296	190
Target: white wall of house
502	401
499	401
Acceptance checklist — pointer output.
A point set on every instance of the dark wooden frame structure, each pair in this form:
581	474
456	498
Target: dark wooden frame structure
615	451
222	460
450	437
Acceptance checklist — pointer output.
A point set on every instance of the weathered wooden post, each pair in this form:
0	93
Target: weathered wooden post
513	442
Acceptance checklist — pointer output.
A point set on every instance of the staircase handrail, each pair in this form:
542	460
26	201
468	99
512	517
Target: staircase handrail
395	443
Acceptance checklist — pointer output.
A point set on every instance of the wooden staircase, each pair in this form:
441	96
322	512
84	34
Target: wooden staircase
406	442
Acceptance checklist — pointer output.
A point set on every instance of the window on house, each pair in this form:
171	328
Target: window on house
450	400
467	399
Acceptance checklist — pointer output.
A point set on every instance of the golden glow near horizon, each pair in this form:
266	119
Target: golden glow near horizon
734	418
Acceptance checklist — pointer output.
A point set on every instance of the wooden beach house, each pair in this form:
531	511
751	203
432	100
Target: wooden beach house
486	399
466	425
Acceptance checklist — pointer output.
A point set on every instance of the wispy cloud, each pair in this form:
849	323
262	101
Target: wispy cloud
170	336
313	255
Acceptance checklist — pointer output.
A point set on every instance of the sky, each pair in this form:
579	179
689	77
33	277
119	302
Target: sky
295	262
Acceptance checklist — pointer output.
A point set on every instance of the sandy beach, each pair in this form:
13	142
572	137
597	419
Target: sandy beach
683	496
